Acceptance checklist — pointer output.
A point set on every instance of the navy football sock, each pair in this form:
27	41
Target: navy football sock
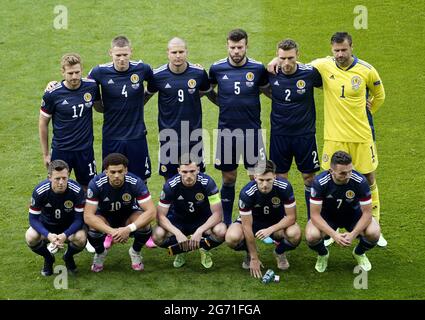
227	194
41	249
96	240
210	242
284	246
140	238
319	247
364	245
71	250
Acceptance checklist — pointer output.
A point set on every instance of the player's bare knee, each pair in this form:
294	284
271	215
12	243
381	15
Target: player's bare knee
158	235
79	238
312	234
293	234
220	230
32	237
233	237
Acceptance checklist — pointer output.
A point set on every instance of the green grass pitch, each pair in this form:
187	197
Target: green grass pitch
30	51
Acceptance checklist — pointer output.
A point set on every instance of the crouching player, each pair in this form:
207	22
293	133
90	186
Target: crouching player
190	214
267	209
341	197
56	216
118	203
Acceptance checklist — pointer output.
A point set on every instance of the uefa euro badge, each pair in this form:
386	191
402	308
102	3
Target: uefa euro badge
301	86
89	193
126	197
356	82
134	81
199	196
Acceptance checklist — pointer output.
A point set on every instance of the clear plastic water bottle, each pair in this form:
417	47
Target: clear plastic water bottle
268	276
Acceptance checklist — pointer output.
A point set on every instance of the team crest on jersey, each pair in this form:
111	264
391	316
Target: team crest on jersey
350	194
250	76
126	197
191	83
163	168
199	196
135	81
134	78
276	201
355	82
68	204
301	86
87	97
89	193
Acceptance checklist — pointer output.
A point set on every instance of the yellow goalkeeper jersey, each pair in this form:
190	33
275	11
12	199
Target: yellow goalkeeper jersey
345	93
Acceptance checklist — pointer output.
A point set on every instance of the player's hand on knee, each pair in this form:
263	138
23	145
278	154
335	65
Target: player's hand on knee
262	234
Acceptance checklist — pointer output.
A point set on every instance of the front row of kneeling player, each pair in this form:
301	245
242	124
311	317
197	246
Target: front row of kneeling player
189	214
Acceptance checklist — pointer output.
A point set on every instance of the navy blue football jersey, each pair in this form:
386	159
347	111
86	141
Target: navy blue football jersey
293	109
57	209
72	115
111	201
188	203
179	98
340	200
122	96
266	206
239	93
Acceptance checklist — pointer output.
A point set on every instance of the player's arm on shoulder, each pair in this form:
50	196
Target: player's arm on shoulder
50	85
273	65
267	91
212	94
43	131
377	91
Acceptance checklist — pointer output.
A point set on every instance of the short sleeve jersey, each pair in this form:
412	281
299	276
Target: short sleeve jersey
111	201
188	203
293	109
122	96
268	207
239	93
179	98
340	200
72	115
